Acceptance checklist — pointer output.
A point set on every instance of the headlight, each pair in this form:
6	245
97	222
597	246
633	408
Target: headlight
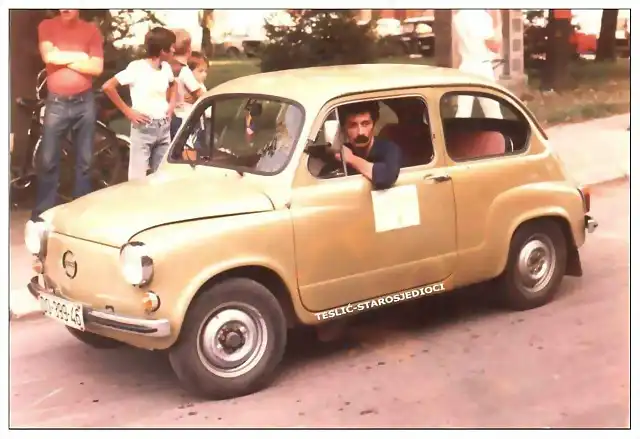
35	237
136	264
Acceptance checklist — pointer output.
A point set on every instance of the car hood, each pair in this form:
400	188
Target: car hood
111	216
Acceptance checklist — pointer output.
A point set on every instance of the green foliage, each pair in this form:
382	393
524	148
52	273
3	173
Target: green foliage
318	38
115	27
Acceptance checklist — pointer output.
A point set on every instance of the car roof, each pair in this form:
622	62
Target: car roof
307	85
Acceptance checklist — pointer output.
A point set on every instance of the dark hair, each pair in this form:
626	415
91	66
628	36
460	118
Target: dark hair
196	59
158	40
370	107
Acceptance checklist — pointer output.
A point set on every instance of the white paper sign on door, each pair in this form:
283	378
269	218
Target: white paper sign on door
396	208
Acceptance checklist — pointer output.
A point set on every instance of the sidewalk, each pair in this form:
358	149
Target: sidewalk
593	152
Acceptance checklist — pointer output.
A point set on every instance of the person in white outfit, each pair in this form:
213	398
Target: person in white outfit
477	45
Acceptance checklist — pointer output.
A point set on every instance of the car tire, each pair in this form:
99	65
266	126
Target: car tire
536	265
241	311
94	340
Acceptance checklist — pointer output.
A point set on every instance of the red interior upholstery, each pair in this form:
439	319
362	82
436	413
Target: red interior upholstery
467	145
413	139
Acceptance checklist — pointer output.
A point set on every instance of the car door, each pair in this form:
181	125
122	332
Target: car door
354	243
488	155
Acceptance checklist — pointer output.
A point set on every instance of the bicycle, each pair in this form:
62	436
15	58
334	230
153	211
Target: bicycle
110	154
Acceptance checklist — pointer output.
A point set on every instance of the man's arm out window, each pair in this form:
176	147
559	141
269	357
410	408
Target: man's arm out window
385	172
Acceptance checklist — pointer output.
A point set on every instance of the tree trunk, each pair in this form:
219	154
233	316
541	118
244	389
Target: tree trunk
206	24
24	65
555	73
445	53
606	49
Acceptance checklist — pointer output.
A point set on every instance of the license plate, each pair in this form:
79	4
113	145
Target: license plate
62	310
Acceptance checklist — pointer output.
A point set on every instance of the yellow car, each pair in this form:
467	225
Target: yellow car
253	224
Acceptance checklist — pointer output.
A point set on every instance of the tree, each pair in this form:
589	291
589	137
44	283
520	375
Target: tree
318	38
555	73
206	23
606	49
24	65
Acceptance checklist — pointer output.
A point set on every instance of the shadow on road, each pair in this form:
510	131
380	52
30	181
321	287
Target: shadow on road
130	368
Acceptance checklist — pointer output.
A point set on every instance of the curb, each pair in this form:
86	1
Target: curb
28	307
29	315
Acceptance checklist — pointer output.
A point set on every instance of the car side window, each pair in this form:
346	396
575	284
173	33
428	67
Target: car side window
403	121
479	125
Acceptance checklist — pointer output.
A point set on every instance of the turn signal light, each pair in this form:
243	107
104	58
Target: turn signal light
151	302
586	198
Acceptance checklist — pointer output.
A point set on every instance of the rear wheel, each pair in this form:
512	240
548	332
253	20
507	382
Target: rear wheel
536	265
232	340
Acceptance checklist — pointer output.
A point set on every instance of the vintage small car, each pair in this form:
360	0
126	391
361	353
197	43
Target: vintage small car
252	225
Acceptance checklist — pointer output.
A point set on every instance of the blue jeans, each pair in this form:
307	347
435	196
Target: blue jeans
149	144
176	122
63	113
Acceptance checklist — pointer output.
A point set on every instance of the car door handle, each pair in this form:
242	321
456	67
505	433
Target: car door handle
437	178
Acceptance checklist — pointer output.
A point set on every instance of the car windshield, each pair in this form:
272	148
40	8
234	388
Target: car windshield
248	133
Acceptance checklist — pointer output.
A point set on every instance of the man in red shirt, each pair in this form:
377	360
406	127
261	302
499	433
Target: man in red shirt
72	51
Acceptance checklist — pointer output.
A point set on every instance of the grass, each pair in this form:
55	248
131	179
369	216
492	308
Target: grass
596	90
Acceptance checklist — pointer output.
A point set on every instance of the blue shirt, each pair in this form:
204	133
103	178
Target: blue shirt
386	158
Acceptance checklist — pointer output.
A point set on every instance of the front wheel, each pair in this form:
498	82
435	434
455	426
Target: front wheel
537	262
232	340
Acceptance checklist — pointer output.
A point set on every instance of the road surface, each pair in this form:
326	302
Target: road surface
447	361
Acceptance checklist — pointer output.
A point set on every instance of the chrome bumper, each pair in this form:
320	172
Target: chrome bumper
148	328
590	224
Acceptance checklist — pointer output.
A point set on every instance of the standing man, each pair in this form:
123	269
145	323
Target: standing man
72	51
477	45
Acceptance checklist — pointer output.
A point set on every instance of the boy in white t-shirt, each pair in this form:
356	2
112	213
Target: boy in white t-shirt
152	102
187	82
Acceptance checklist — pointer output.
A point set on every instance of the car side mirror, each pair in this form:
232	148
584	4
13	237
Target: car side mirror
331	131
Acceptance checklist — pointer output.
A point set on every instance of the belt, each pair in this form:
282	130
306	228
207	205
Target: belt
78	97
156	122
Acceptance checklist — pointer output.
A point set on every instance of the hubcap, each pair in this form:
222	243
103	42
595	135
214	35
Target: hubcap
536	264
232	340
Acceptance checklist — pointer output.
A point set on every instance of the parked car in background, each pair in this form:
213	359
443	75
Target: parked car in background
240	45
385	27
418	36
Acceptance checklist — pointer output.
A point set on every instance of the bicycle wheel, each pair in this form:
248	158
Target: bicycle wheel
106	164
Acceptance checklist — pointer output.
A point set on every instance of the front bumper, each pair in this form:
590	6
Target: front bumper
131	325
590	224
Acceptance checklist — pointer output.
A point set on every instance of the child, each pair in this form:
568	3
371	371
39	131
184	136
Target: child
198	66
151	81
187	82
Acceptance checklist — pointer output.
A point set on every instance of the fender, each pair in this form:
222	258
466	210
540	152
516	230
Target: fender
524	203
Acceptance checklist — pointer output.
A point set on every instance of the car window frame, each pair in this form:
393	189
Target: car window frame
201	106
376	95
482	92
